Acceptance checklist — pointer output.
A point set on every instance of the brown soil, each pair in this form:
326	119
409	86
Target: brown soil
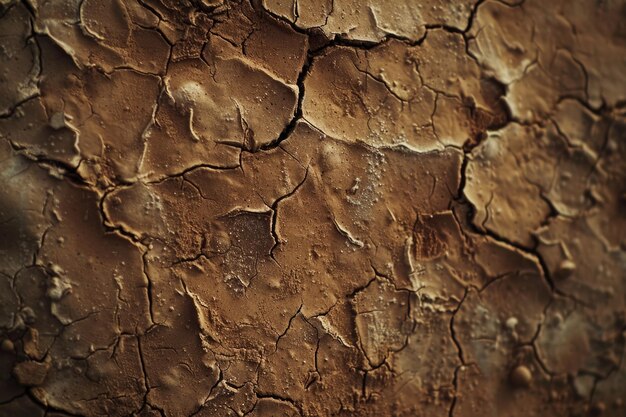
312	208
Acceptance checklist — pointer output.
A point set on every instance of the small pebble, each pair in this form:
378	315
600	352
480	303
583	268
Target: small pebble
521	376
511	322
7	345
566	269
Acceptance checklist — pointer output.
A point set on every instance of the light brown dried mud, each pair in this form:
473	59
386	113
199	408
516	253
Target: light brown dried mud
312	208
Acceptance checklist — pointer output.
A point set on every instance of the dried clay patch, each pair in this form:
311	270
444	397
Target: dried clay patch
312	208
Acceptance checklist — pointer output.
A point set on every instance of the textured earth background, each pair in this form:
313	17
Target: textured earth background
312	208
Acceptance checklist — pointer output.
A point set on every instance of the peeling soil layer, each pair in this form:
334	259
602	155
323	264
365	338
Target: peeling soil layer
312	208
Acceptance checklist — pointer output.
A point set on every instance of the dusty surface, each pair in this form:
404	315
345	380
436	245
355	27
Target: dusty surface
312	208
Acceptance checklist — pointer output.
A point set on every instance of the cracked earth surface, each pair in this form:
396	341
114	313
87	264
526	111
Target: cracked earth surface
312	208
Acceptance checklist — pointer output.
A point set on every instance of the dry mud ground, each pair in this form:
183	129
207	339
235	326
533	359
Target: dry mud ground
312	208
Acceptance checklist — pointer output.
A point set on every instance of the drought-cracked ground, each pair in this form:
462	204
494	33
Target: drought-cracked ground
312	208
